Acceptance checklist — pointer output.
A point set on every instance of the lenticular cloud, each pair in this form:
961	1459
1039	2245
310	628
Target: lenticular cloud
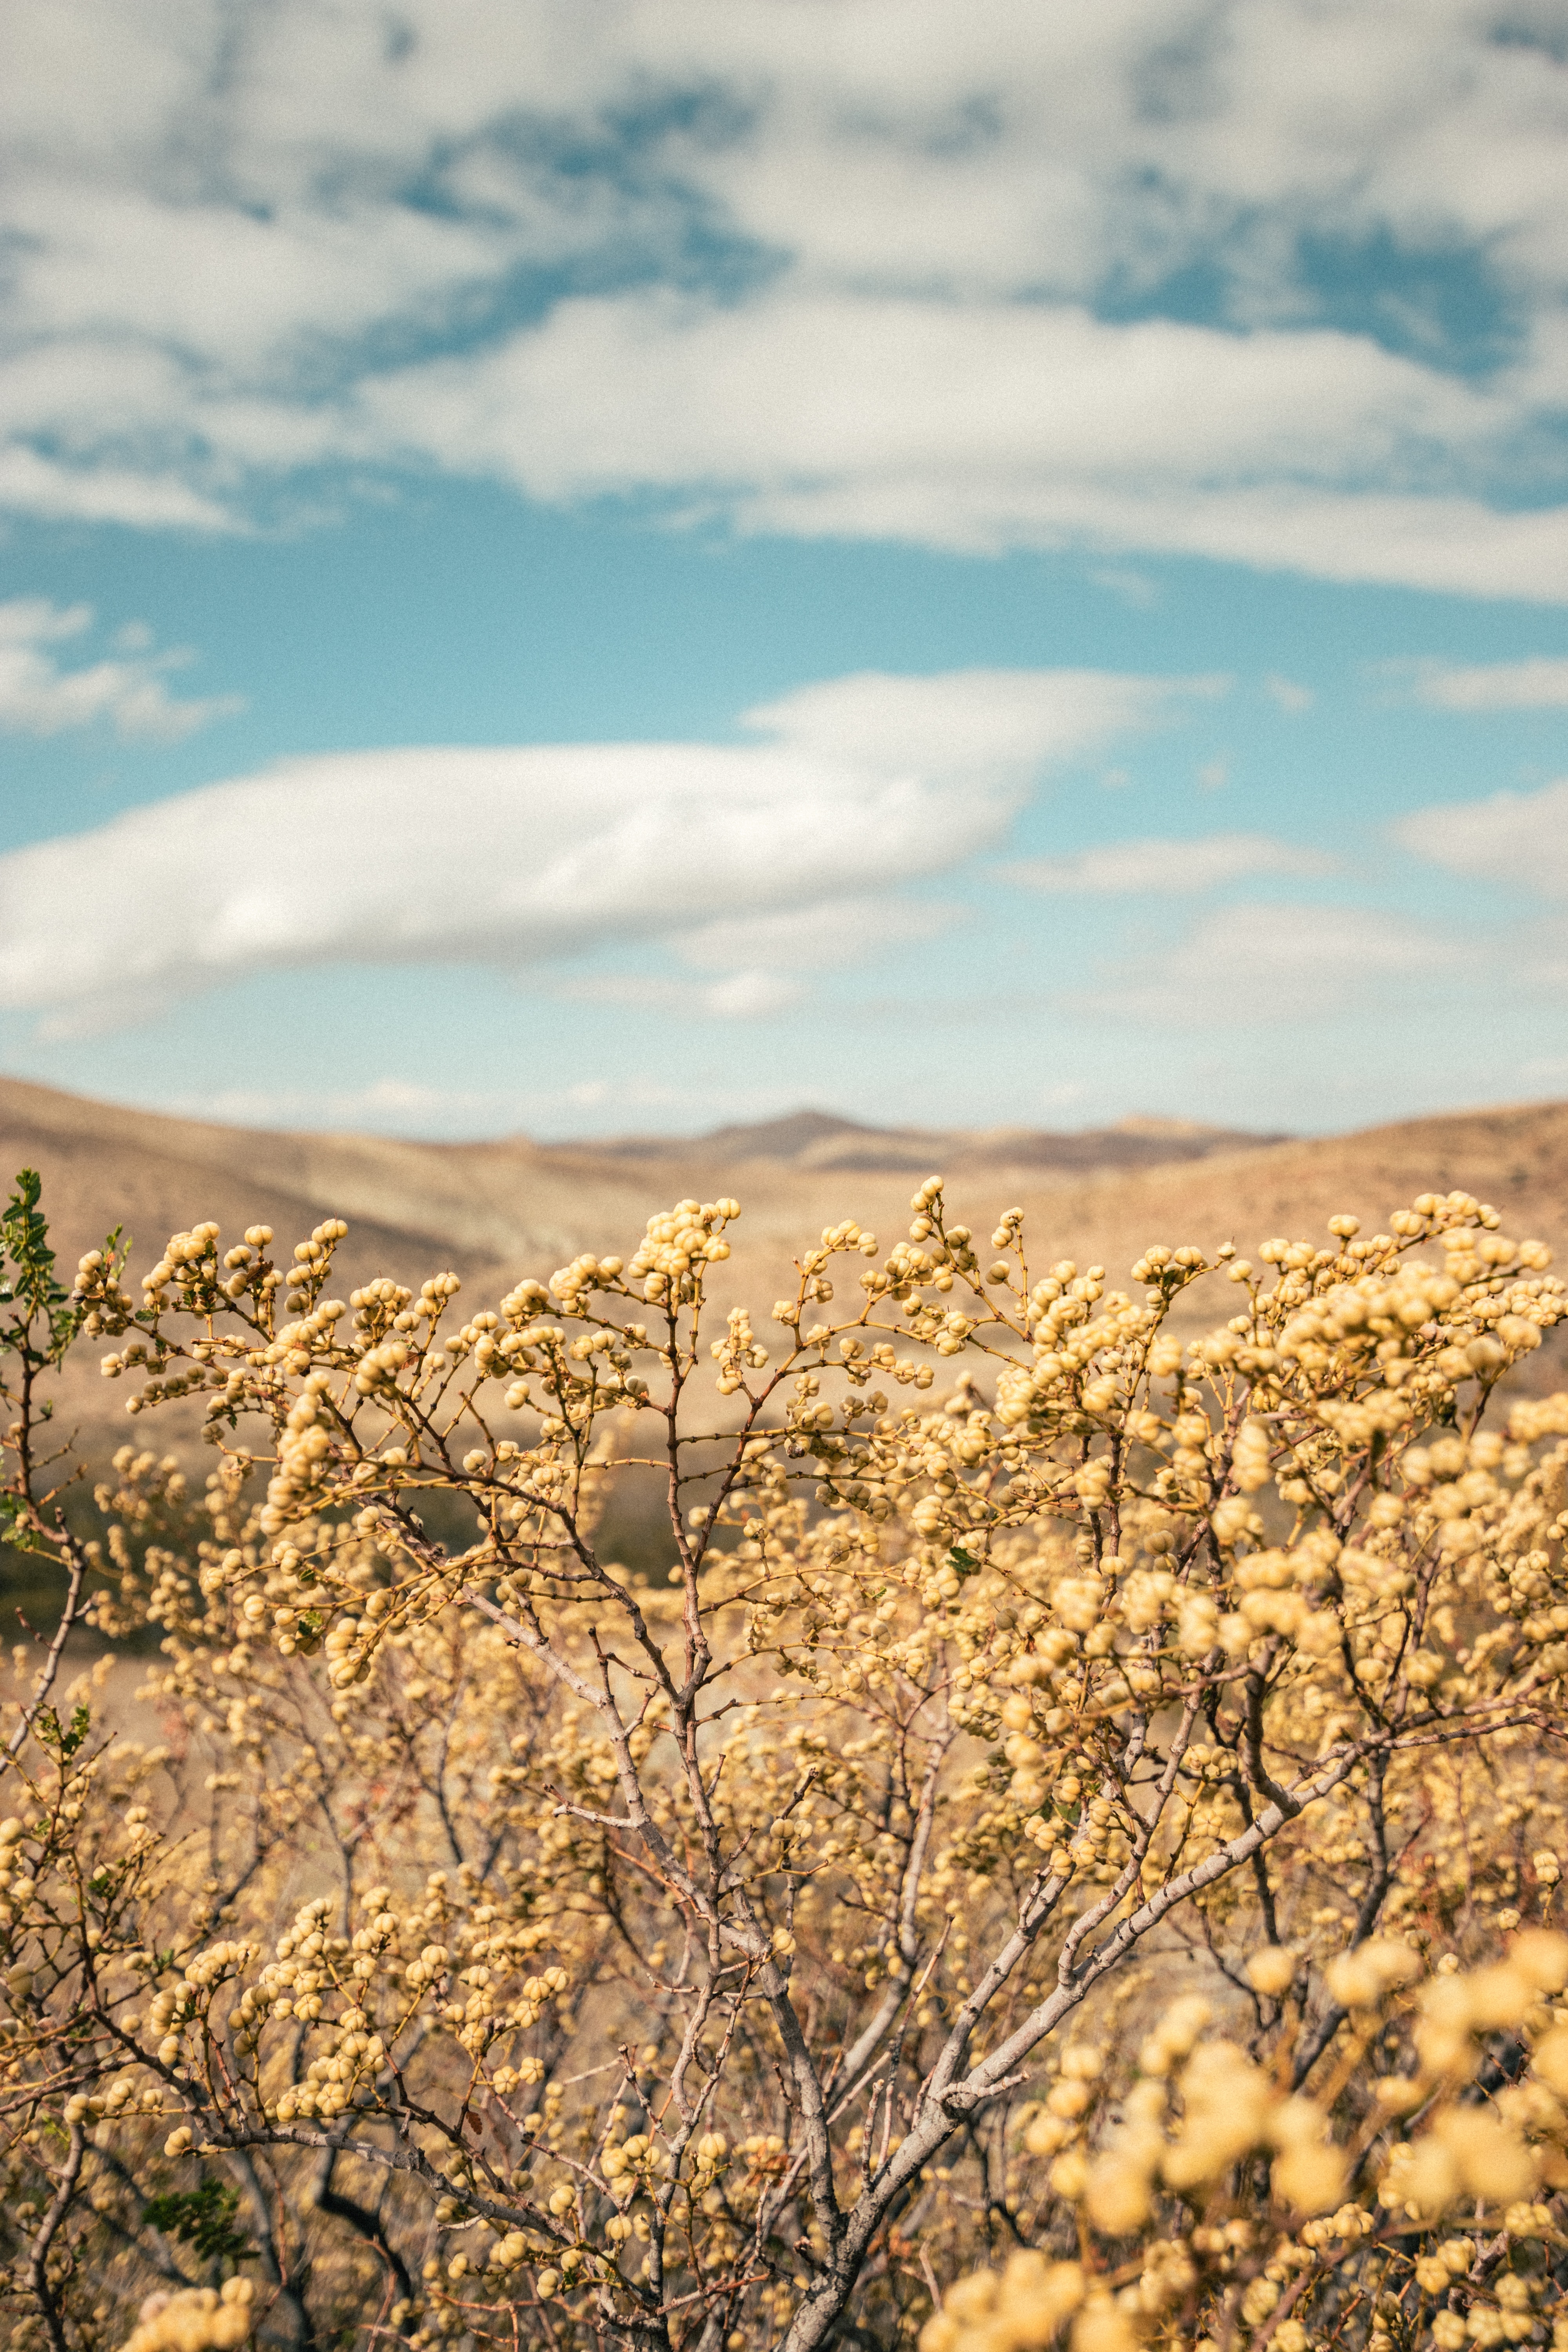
524	854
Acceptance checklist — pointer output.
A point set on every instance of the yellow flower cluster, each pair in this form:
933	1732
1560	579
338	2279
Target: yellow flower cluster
678	1244
657	1836
195	2319
1301	2250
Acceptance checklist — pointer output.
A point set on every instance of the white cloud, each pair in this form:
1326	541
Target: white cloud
39	698
246	245
1514	837
404	1105
32	483
1134	588
747	856
1539	684
1006	723
1288	695
34	621
981	426
1168	869
1266	964
968	399
821	938
748	995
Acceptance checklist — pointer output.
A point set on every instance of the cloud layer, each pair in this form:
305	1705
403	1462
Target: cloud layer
1279	283
1539	684
1266	966
752	861
1168	869
1518	839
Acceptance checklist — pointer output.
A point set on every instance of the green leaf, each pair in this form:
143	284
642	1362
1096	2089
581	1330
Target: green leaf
27	1275
15	1531
201	2218
68	1741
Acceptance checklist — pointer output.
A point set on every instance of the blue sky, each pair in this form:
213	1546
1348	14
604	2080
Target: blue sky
587	569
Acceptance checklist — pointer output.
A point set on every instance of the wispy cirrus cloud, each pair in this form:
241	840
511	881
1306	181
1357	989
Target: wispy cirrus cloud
823	937
1155	869
1261	966
750	994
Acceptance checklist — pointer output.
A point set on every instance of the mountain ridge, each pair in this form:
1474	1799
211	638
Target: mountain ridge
824	1139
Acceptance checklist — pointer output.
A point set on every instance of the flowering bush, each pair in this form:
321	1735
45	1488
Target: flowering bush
1086	1801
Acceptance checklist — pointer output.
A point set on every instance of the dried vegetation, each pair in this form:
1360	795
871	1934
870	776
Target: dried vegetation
1071	1849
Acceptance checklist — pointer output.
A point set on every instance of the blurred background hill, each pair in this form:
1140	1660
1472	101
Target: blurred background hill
495	1211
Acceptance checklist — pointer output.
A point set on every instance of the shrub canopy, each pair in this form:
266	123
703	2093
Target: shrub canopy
1071	1844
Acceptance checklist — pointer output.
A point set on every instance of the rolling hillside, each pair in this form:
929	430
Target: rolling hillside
495	1211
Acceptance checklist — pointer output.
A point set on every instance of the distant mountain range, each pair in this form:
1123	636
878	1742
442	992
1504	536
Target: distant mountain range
820	1139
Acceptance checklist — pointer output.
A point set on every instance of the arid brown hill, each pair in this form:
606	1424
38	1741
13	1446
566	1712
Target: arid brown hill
819	1139
495	1211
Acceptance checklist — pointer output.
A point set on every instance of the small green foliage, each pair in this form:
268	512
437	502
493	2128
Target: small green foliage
67	1740
18	1532
28	1277
202	2218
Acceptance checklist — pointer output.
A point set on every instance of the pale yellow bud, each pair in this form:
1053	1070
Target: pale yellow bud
1362	1977
1505	1995
1119	2194
1035	2296
1102	2326
1540	1956
1426	2182
1492	2162
1551	2060
1273	1970
1311	2178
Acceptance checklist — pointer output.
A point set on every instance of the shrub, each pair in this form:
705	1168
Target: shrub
1071	1802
